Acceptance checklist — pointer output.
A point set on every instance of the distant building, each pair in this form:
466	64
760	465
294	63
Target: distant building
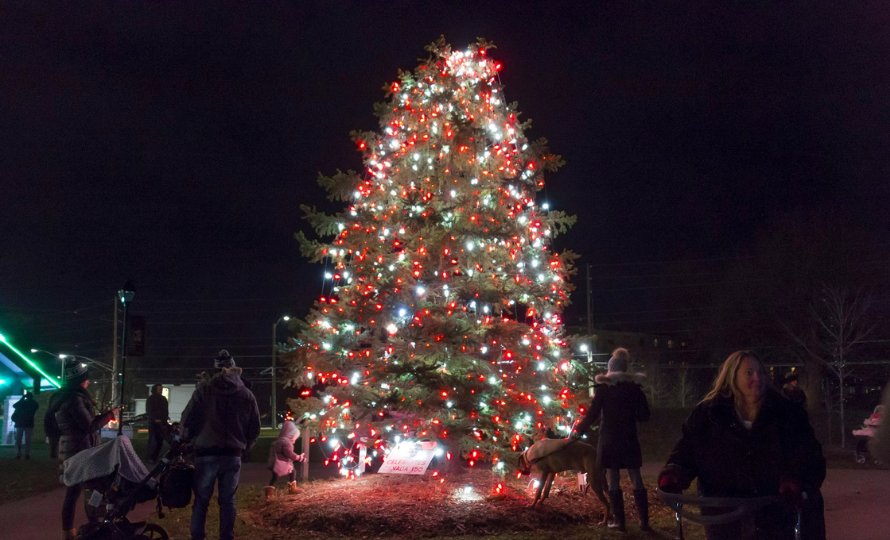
178	396
645	349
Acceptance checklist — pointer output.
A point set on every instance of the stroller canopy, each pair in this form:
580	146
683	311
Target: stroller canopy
101	461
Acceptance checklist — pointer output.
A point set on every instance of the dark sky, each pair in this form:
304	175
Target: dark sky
171	143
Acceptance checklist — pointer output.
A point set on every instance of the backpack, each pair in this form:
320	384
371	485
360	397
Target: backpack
175	485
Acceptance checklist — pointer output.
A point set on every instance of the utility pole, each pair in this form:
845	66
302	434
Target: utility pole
592	348
114	366
589	305
275	369
274	378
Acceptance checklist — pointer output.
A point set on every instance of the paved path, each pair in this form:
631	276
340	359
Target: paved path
854	504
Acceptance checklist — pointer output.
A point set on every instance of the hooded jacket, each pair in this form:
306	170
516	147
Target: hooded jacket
222	417
732	461
281	453
74	413
620	403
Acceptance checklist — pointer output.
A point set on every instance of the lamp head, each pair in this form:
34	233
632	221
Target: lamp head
127	293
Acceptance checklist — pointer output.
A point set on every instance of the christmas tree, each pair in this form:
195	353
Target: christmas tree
442	319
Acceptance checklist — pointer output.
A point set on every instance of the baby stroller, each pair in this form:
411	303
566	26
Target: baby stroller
864	435
119	481
735	509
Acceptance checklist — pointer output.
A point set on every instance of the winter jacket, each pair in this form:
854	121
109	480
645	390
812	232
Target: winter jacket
732	461
156	408
281	453
222	417
74	412
618	403
25	409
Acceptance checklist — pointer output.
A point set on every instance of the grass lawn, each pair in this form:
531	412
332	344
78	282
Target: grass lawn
20	479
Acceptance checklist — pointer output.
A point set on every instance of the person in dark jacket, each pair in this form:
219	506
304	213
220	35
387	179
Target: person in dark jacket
158	415
222	420
746	440
74	412
619	403
792	391
23	417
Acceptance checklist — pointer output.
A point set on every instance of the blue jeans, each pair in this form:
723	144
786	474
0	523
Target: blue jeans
208	470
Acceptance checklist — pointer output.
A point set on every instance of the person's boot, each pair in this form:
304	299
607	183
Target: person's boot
69	534
18	456
292	488
270	490
642	500
617	500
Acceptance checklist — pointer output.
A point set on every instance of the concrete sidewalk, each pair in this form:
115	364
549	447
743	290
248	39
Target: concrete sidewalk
855	500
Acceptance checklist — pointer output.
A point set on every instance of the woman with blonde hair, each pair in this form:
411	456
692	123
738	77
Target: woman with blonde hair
746	440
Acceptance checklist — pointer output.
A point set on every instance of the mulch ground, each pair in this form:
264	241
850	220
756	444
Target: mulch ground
411	506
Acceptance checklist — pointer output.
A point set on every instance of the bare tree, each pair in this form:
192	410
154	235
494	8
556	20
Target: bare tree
655	387
839	324
685	388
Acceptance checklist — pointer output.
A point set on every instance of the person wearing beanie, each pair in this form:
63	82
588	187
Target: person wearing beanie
73	415
618	404
222	421
792	391
225	360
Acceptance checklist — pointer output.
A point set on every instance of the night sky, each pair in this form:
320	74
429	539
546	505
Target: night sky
171	144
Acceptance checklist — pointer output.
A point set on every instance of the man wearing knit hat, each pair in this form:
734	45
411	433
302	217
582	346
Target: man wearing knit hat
72	411
222	420
618	404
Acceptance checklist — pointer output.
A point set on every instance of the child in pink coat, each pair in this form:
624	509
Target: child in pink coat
282	456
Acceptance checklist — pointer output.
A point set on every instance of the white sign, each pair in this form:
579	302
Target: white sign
409	458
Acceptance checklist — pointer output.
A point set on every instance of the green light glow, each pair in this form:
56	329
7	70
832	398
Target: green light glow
32	364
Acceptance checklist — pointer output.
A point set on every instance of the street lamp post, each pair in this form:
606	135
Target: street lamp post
275	369
126	296
586	349
102	365
60	357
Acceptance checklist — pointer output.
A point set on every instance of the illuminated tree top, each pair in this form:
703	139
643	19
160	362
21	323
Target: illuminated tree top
442	318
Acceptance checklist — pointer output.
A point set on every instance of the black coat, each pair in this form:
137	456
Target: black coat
25	409
620	402
156	408
77	421
732	461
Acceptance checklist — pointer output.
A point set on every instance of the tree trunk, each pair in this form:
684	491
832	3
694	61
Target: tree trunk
813	375
828	410
840	376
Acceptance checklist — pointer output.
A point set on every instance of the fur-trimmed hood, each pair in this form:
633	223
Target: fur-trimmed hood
615	377
226	380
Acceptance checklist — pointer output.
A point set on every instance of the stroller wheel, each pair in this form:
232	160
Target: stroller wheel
153	532
860	459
